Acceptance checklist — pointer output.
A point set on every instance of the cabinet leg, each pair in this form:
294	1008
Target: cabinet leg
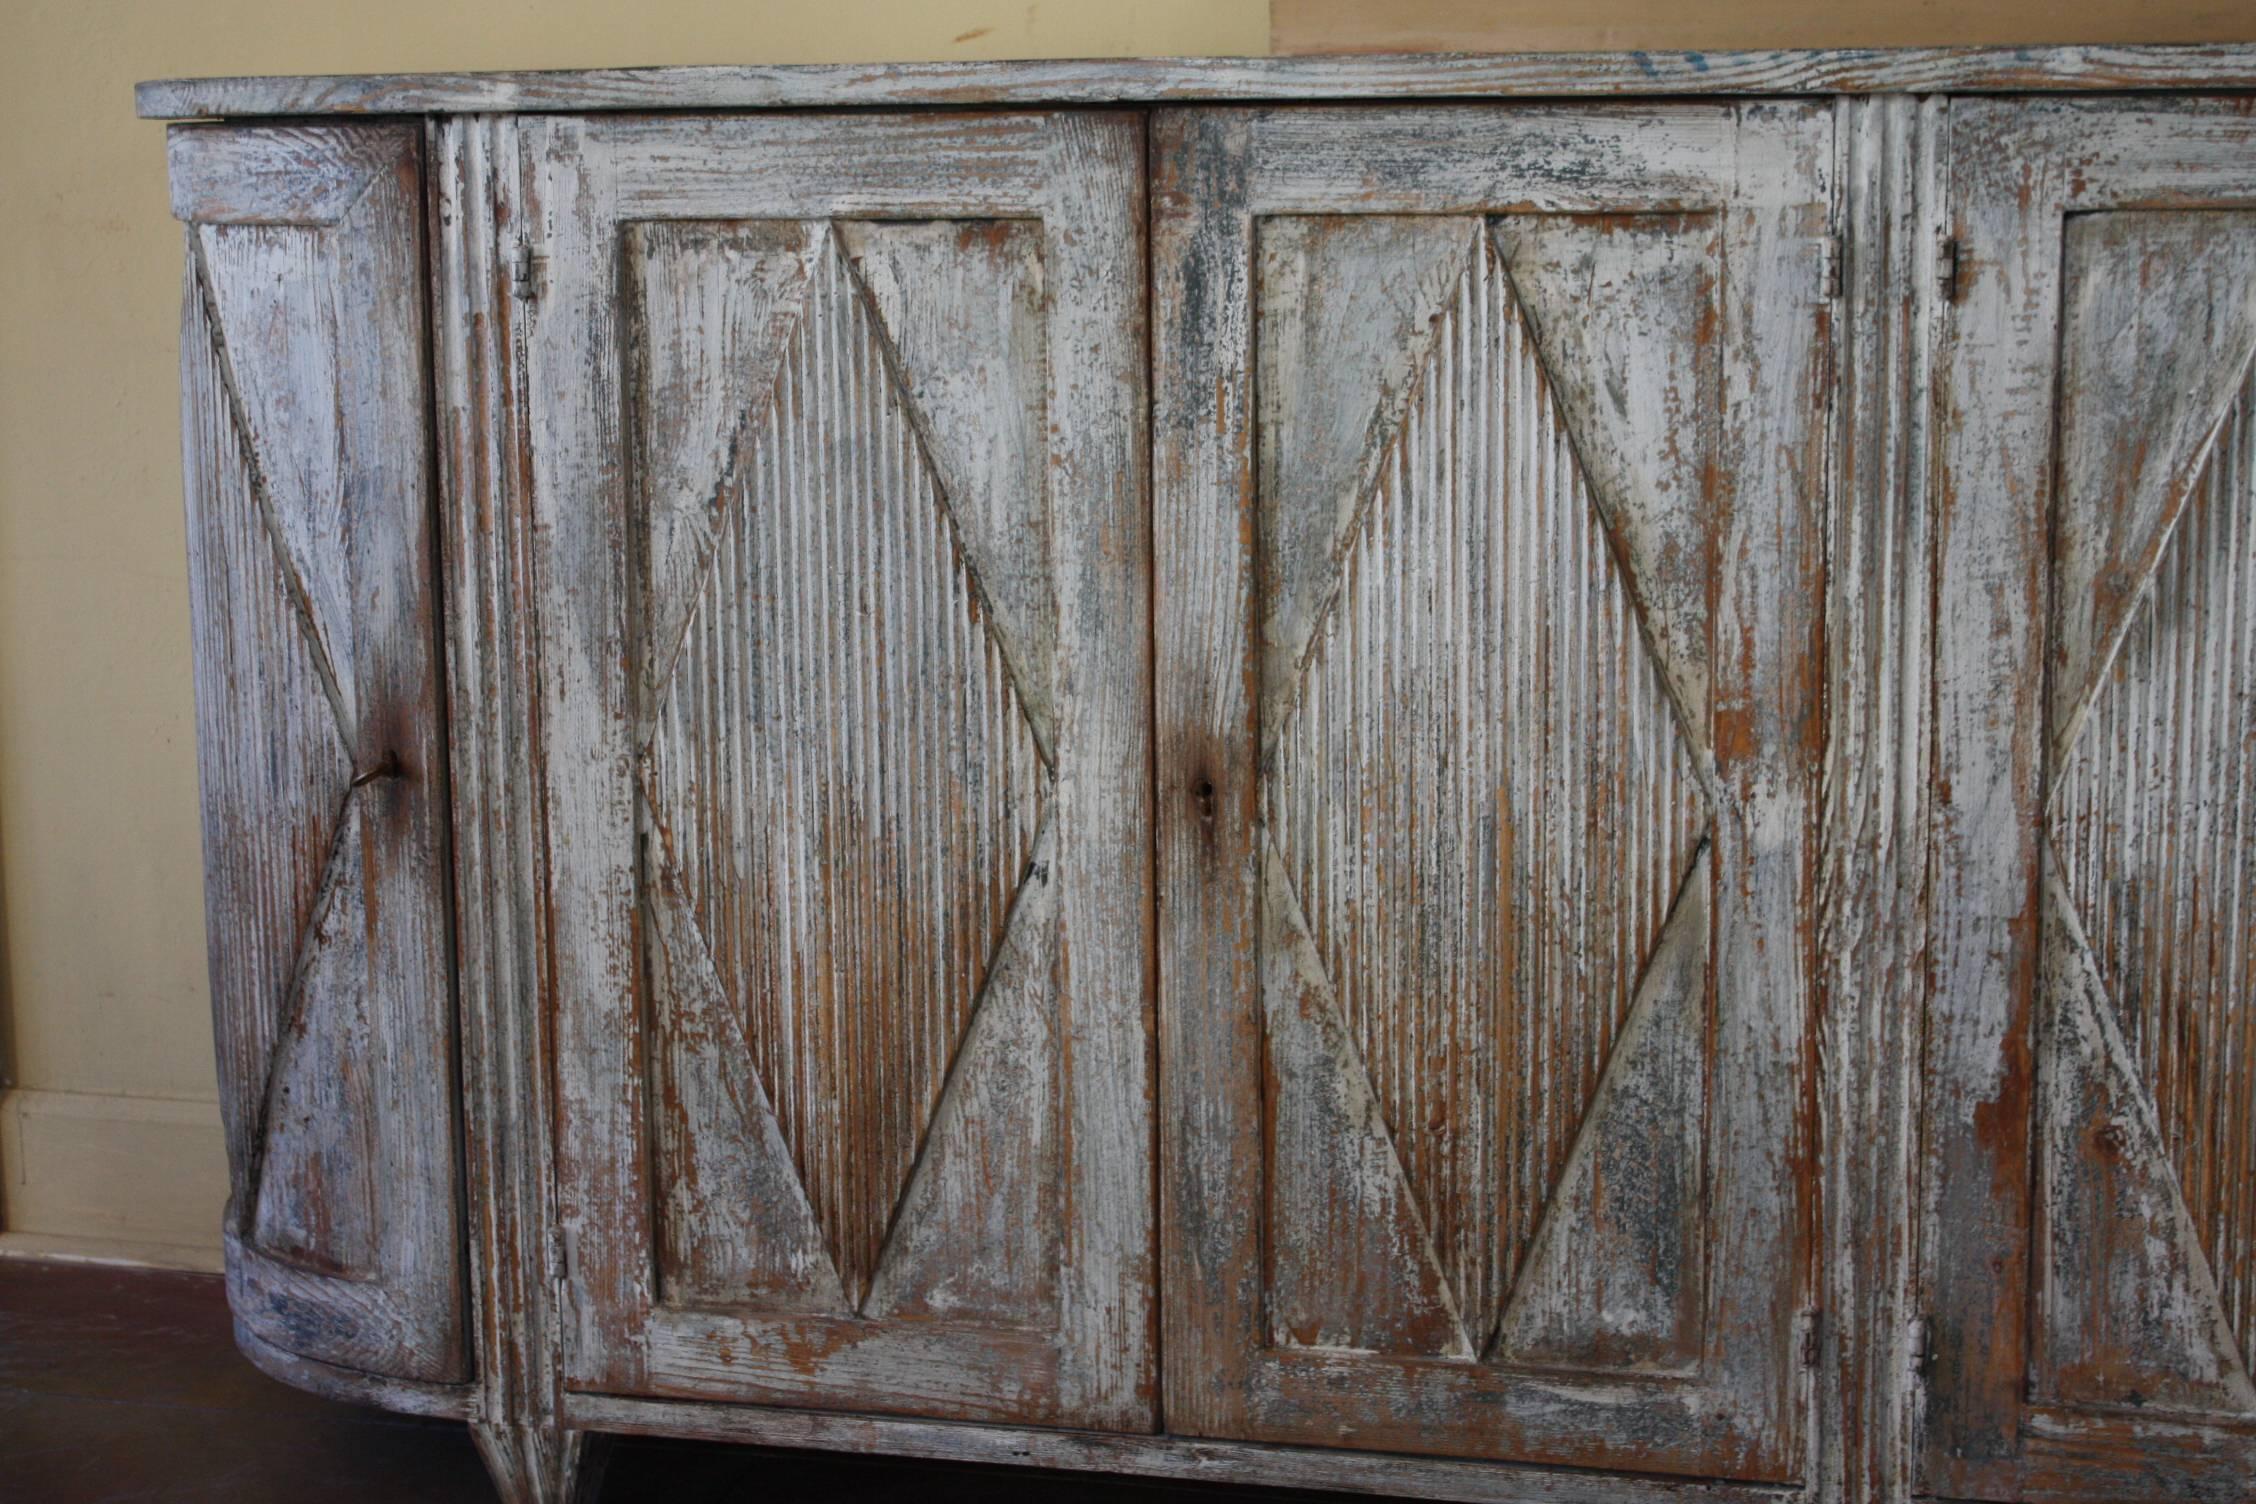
542	1464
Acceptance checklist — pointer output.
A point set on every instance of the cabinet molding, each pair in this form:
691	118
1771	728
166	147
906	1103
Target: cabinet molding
1878	791
1909	70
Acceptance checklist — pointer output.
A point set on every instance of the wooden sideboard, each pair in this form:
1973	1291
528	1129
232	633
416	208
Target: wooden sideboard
1515	778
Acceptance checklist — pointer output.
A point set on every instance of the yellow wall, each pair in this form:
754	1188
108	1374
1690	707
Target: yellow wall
112	1135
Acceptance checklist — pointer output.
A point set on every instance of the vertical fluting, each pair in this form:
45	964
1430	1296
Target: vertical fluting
2153	817
1482	796
849	784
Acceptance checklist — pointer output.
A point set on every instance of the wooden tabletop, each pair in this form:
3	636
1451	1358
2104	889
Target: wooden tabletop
1191	80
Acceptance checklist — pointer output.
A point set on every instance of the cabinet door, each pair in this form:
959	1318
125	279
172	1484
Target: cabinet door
838	463
1490	474
2092	1267
310	540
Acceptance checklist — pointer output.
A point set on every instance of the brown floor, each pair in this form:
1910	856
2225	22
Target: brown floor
122	1385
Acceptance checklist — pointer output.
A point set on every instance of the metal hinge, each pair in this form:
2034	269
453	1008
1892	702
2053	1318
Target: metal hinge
528	269
1828	268
1949	257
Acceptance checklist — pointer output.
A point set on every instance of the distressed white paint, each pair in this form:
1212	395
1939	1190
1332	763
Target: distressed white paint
318	682
1159	80
1876	787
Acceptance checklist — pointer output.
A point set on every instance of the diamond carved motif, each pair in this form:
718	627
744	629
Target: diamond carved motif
284	817
1481	793
2147	818
842	777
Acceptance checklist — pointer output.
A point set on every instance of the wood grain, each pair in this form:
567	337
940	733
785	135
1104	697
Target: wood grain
1989	508
501	924
734	1222
1610	1274
1701	766
887	777
961	306
352	1385
1969	70
310	506
1878	798
1412	524
277	768
2127	1311
1476	640
714	307
1189	1460
2152	793
1342	26
2060	474
1212	1192
841	780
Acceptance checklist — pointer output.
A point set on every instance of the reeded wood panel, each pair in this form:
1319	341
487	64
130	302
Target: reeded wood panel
853	1019
841	780
1480	800
1486	888
2154	783
2117	740
307	457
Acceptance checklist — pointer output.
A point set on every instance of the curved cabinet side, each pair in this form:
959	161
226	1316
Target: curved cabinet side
352	1386
307	461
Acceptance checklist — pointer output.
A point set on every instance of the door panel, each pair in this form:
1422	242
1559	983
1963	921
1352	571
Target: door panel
2094	1149
847	722
308	461
1490	457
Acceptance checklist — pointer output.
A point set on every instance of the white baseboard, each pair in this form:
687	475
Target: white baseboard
120	1251
123	1179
